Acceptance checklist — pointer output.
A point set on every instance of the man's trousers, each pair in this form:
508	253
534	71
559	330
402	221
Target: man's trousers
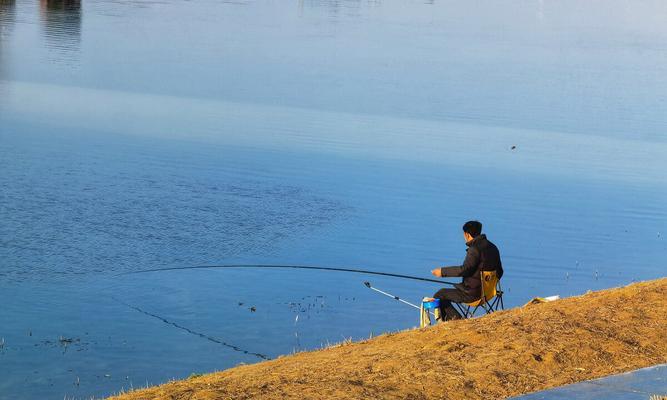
447	296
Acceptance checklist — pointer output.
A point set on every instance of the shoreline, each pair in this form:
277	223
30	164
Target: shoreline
508	353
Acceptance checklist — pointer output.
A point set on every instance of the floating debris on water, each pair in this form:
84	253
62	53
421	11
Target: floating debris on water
66	341
253	309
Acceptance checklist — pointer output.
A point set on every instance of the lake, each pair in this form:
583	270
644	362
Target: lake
139	135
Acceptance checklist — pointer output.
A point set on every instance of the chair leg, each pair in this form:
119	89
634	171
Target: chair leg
462	310
494	305
473	311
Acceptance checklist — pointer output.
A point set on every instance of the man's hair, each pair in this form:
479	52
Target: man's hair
473	228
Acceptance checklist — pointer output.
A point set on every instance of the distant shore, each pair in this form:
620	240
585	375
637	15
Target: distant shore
505	354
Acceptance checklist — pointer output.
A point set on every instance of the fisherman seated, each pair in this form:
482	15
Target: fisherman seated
482	255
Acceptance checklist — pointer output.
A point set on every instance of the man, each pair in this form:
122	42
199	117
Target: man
482	255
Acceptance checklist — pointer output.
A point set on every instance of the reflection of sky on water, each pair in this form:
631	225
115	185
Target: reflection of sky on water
646	383
558	66
540	153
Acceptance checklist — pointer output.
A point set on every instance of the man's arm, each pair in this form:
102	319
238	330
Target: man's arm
450	271
467	269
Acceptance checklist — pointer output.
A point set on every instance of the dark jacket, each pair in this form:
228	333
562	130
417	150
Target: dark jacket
481	255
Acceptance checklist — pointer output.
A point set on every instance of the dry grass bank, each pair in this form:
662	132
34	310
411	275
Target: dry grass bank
504	354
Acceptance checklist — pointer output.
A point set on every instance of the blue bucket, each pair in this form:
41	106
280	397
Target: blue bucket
430	305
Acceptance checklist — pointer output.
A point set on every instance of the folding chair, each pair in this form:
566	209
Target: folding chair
491	300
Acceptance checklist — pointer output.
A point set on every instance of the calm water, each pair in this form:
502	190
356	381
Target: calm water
150	134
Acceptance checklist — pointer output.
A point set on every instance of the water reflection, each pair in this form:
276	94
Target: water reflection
61	21
7	18
337	8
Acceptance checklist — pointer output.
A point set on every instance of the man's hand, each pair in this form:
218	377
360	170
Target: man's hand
437	272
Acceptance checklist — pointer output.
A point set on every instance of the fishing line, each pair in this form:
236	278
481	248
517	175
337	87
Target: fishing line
202	335
259	266
310	267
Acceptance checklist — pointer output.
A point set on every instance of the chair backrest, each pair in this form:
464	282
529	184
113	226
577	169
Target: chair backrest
489	285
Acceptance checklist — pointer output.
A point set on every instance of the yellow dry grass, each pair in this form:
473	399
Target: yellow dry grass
500	355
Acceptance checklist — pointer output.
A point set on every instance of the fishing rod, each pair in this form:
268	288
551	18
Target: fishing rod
368	285
311	267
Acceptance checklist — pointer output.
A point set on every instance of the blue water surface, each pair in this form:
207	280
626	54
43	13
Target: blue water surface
645	383
159	134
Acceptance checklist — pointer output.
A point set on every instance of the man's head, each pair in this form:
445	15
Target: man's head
471	230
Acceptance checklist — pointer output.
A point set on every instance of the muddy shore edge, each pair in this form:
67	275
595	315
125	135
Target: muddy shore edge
504	354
